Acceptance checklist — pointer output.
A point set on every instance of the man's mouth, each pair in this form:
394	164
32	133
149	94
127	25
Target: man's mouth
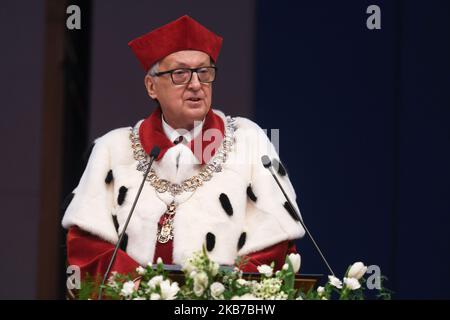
194	99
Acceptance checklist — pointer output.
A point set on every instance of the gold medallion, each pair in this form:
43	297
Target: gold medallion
165	232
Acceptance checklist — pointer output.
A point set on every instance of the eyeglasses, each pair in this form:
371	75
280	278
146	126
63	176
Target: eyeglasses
184	75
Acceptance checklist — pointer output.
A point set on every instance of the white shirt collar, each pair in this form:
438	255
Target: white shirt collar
173	134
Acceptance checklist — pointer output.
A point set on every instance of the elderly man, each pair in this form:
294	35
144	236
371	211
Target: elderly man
206	188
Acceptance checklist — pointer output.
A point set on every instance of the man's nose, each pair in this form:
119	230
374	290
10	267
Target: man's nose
195	83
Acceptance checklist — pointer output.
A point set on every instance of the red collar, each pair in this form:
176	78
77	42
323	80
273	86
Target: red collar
151	133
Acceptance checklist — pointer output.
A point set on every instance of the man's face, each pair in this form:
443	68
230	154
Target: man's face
186	103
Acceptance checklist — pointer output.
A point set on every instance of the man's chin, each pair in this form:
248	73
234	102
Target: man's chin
196	112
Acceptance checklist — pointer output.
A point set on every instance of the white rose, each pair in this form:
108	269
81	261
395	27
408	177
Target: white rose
201	278
140	270
241	282
198	289
127	289
169	291
155	296
216	290
153	282
295	261
357	270
335	282
214	269
188	267
352	283
200	283
320	290
265	270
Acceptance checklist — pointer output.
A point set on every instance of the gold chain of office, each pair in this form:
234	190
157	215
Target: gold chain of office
165	230
191	184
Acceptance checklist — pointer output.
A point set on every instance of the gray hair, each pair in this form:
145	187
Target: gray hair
153	70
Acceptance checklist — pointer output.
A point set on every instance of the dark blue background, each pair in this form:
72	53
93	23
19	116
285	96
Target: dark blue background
364	128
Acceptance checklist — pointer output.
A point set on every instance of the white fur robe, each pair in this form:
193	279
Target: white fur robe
264	219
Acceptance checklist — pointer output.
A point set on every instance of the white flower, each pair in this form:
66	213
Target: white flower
241	282
140	270
112	280
159	260
295	261
201	278
198	289
357	270
169	291
320	290
200	283
214	269
269	288
216	290
127	289
285	266
188	267
139	298
265	270
247	296
299	298
352	283
335	282
153	282
324	298
155	296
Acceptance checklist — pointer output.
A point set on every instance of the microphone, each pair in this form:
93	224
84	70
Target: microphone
268	165
153	155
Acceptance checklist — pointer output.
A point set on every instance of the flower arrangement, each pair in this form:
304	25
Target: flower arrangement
205	280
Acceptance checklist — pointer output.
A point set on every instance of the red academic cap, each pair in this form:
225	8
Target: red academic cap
182	34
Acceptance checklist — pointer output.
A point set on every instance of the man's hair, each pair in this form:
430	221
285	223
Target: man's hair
153	70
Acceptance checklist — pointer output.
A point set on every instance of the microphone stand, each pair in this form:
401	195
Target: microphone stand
268	165
153	155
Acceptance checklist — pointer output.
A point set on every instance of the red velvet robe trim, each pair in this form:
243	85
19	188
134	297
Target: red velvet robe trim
92	255
151	133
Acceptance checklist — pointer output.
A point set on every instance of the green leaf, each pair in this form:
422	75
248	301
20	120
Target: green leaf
289	280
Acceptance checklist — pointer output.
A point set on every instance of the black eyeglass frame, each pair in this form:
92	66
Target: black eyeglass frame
191	70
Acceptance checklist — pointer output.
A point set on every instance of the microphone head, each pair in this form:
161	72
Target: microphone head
266	161
155	152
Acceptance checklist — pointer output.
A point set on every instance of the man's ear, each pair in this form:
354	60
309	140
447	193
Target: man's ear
150	85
